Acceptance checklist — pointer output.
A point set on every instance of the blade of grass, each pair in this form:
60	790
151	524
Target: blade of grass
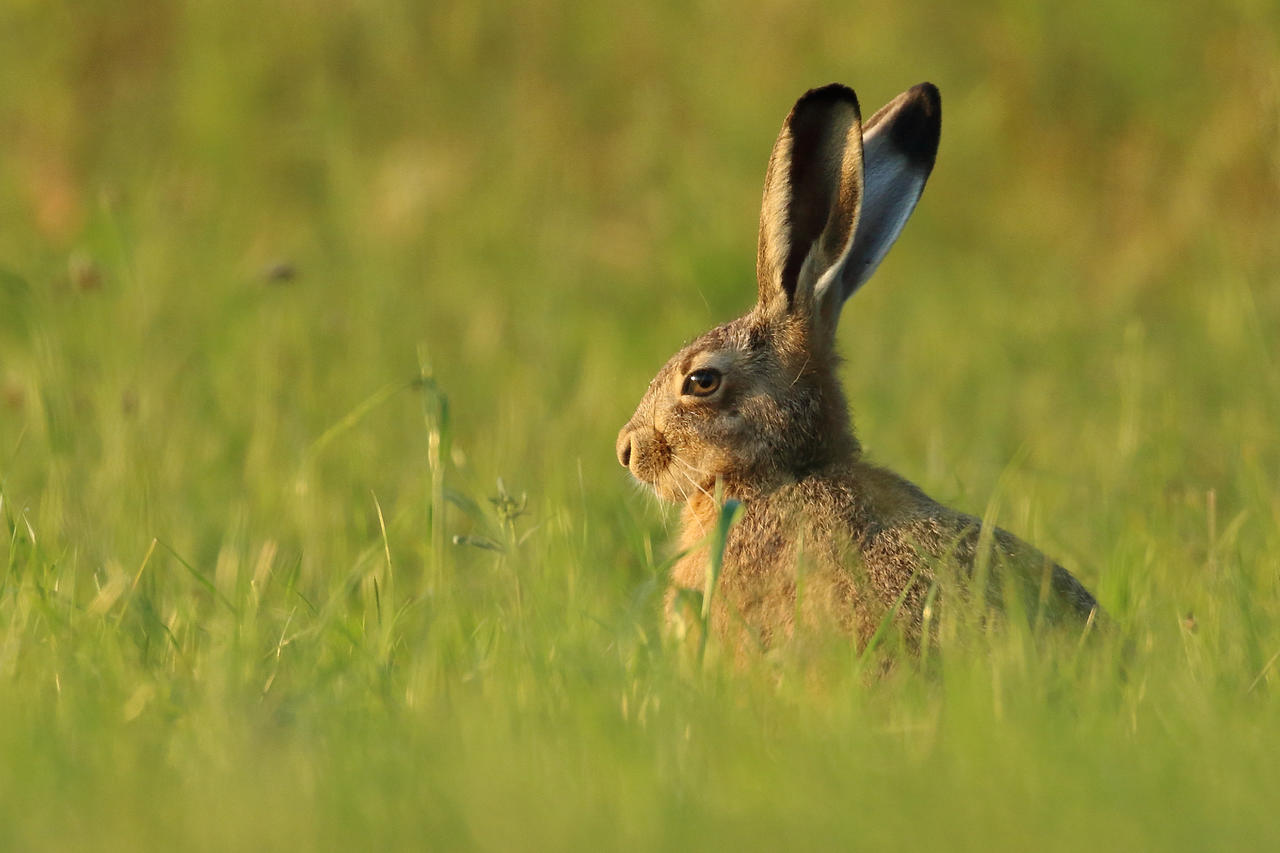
200	577
730	510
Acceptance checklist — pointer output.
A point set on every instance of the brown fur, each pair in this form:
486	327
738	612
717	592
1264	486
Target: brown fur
825	538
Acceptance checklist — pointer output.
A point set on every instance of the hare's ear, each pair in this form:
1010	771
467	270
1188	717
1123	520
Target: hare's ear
812	191
899	144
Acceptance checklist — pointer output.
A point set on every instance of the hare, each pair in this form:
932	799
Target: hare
755	408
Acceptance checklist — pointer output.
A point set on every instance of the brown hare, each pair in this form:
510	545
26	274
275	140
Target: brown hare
755	408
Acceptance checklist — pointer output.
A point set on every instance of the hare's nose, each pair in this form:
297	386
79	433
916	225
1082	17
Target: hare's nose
624	448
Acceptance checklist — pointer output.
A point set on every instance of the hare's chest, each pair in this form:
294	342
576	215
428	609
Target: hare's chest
783	571
785	568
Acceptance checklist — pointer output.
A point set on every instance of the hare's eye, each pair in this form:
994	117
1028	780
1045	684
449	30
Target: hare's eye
701	383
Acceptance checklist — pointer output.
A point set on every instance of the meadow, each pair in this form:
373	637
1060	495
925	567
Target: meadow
317	326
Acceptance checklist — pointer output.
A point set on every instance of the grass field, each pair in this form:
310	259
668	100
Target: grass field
316	329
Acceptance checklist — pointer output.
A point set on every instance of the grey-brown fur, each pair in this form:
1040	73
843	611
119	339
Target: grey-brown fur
825	537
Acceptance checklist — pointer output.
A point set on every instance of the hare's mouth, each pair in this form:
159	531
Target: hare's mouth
650	458
681	480
674	484
678	480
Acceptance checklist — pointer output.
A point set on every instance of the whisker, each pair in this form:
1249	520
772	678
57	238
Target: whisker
800	372
696	485
691	466
684	493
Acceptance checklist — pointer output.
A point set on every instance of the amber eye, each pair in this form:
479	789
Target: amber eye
701	383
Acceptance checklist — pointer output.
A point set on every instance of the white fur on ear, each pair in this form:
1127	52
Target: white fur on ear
899	146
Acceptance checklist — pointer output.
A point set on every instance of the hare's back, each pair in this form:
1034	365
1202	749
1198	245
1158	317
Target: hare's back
891	538
913	535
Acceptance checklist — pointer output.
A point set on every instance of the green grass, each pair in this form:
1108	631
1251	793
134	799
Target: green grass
316	328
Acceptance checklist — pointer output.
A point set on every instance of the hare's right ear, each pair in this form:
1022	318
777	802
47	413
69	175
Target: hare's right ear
812	192
899	145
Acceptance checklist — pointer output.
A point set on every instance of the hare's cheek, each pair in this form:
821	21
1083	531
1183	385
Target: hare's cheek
728	430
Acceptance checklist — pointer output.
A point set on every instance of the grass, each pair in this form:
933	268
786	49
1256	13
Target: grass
316	327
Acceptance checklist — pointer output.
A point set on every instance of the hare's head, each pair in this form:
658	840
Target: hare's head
756	403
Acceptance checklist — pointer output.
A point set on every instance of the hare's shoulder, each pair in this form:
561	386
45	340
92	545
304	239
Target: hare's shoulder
854	501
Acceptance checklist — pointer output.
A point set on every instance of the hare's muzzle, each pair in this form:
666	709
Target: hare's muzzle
643	451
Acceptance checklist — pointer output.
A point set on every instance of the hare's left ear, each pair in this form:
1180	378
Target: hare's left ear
812	192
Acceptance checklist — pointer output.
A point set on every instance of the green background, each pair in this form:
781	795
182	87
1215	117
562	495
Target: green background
286	288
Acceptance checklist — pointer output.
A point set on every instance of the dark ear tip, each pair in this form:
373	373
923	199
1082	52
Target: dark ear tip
928	96
917	127
827	95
